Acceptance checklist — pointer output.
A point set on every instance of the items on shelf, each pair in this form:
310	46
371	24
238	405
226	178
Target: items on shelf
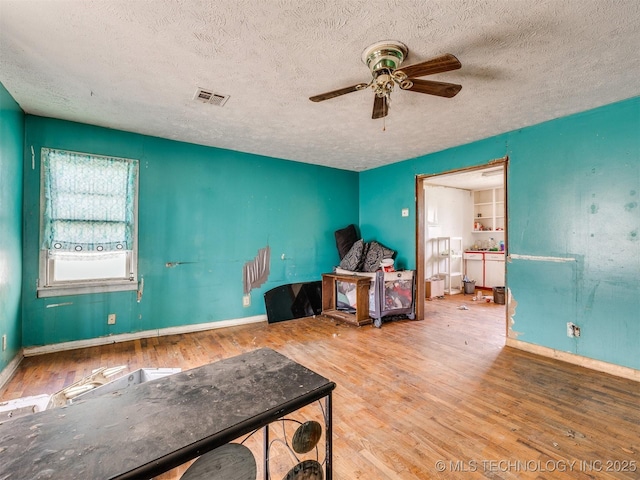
488	210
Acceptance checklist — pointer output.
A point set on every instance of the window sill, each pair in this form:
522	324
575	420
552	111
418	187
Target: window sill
63	290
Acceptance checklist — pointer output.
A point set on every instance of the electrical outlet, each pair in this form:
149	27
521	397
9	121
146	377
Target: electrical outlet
246	300
4	342
405	212
111	319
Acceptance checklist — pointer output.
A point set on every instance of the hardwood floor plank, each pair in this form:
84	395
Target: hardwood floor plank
412	394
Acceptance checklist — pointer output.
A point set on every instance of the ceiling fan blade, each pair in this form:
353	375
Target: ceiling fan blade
380	107
440	64
431	87
337	93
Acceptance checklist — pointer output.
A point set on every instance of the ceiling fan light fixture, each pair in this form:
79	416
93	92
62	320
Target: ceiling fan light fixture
384	60
406	84
383	84
388	54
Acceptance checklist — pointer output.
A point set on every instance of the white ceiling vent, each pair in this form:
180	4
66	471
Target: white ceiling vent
207	96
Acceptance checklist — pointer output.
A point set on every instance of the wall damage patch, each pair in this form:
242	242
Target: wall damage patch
511	313
140	290
256	272
537	258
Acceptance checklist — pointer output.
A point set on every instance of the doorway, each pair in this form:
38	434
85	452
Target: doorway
461	229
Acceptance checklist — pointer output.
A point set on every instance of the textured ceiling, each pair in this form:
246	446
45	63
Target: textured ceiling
135	65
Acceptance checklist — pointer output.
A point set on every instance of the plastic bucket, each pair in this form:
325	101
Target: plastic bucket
498	295
470	286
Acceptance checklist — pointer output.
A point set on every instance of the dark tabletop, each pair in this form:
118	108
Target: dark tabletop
148	428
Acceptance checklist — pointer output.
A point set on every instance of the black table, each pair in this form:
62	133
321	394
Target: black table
150	428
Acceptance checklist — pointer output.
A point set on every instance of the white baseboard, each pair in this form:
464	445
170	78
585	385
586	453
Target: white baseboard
593	364
125	337
7	373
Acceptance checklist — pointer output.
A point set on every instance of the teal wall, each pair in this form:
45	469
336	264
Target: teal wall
11	151
573	186
212	207
385	191
573	199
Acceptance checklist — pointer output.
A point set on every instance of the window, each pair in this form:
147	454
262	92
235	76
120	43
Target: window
88	223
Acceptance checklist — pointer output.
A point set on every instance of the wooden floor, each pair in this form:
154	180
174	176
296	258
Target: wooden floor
438	398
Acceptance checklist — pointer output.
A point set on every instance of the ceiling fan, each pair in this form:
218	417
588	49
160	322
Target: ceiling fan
384	59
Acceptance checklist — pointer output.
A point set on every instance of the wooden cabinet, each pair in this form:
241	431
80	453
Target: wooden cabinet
329	304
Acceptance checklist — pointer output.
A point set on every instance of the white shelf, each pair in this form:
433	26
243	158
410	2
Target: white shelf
449	265
489	205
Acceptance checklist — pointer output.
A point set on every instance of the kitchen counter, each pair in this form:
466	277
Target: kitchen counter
485	267
484	251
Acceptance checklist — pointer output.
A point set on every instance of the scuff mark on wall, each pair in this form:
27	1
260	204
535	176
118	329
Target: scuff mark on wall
175	264
592	296
256	272
54	305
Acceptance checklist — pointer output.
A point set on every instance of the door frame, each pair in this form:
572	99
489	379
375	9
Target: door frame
421	226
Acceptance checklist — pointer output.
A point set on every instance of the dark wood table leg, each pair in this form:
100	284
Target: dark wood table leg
329	440
266	452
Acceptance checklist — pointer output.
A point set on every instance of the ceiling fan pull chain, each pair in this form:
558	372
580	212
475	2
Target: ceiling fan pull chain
384	119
